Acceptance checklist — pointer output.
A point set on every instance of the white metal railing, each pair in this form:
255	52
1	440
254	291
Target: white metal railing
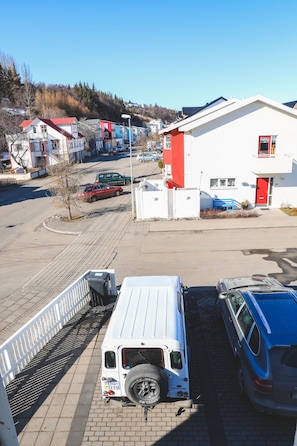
20	348
8	435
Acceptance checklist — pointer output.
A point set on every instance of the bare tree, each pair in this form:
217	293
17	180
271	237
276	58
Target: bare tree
65	187
88	132
143	143
10	133
28	92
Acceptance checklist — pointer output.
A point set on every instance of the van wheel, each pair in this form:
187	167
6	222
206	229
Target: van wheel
127	182
146	385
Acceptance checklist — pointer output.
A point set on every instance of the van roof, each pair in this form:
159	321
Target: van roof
148	309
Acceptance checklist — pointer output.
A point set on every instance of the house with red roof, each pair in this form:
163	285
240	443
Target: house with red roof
46	142
235	149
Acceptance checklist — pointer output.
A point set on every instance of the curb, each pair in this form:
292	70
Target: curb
57	231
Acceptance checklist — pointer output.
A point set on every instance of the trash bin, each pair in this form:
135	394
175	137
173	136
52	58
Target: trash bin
99	284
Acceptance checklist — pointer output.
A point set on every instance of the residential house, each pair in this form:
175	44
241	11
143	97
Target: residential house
138	133
93	133
238	149
155	126
109	135
122	135
46	142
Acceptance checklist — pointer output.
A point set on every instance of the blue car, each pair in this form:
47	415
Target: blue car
260	316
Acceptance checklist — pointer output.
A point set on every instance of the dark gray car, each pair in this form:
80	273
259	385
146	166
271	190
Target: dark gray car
260	316
113	178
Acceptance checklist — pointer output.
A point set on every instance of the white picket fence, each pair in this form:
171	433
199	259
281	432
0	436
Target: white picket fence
21	347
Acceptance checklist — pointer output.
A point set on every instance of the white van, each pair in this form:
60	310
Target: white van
144	351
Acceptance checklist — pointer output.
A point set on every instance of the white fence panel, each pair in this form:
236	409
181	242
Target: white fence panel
151	204
155	200
20	348
186	203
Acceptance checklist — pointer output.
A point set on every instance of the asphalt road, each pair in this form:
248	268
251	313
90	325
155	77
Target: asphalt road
25	247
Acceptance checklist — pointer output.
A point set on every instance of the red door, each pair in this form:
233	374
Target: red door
262	190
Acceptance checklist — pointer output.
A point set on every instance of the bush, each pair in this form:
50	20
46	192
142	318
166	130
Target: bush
216	213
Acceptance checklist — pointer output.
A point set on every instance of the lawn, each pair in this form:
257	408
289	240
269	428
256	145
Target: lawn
290	211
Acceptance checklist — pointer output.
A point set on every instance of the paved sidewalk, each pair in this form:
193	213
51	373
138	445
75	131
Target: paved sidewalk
64	406
267	218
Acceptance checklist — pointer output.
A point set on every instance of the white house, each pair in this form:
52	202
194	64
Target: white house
243	150
45	142
155	125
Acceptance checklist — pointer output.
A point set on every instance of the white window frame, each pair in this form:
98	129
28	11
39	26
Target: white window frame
167	142
222	183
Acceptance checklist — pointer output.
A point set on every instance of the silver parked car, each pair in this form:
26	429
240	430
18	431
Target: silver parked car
260	316
150	156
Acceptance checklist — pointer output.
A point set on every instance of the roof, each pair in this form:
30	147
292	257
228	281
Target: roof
222	109
53	123
255	281
277	311
147	311
291	104
61	121
189	111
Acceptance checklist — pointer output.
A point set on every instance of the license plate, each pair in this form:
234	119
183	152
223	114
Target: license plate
112	386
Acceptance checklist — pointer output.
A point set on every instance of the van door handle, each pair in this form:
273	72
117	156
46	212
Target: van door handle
230	319
239	344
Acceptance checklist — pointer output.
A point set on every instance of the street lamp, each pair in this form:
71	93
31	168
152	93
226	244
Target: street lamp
124	116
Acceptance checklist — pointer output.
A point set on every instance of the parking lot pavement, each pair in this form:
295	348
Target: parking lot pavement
66	408
57	400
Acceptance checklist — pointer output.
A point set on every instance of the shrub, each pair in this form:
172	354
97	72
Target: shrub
215	214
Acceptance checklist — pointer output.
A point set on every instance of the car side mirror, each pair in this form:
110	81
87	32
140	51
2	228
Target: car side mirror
223	295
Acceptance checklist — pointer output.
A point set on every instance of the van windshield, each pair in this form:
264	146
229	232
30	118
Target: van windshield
135	356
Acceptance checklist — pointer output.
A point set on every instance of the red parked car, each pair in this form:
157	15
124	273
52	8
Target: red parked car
97	191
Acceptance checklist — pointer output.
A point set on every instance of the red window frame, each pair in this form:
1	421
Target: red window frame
264	148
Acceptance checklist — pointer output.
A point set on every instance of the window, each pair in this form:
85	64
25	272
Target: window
55	145
267	145
176	360
167	144
43	128
110	360
168	170
222	183
254	340
135	356
236	301
17	148
245	320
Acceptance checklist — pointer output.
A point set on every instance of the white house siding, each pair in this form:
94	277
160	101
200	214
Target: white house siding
227	147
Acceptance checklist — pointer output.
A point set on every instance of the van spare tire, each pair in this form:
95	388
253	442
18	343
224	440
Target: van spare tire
146	385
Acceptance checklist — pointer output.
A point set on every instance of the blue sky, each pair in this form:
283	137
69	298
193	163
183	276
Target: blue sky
166	52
